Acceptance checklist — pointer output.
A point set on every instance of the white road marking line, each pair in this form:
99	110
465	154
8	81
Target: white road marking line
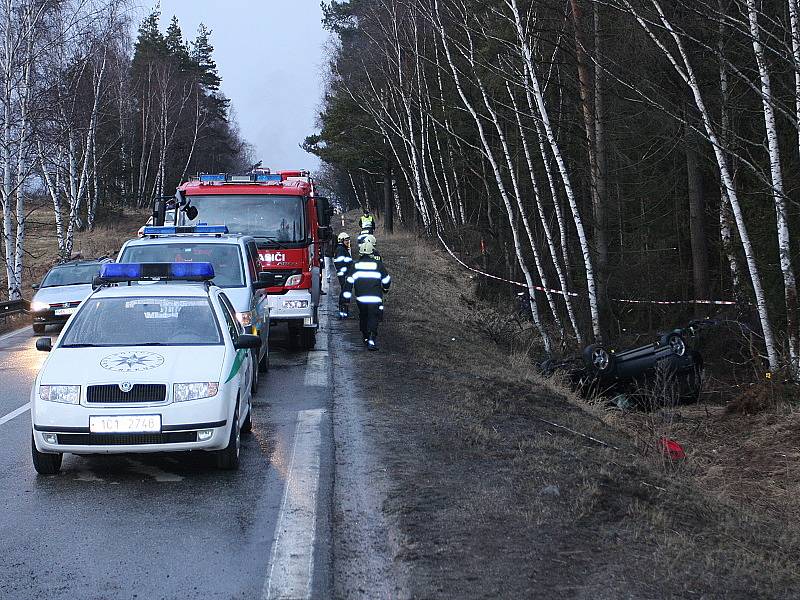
12	334
291	567
316	369
15	413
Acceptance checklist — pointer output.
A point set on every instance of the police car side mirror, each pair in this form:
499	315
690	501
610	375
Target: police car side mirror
44	344
35	286
245	342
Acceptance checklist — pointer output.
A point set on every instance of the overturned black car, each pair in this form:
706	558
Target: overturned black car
666	371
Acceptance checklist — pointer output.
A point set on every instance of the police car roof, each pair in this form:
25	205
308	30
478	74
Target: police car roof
154	289
198	238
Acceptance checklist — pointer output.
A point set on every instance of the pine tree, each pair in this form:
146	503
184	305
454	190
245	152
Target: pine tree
202	55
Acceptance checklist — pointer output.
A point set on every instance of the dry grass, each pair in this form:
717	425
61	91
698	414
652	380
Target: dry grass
467	412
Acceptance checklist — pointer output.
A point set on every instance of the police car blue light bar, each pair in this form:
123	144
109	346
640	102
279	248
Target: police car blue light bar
264	177
212	177
127	272
172	230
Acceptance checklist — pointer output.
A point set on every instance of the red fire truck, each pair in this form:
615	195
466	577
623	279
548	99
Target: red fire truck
291	226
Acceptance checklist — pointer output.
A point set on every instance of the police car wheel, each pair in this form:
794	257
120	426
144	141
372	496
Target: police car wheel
45	464
247	426
228	459
254	381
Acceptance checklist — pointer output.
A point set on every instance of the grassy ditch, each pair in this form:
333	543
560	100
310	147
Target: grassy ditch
510	486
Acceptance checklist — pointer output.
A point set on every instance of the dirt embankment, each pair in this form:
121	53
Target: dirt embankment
493	499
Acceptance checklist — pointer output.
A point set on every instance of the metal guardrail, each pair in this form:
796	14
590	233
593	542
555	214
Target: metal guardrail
13	307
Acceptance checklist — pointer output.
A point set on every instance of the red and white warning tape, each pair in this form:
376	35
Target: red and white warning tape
563	293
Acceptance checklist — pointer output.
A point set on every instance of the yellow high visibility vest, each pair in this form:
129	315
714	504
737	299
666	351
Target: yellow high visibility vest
366	221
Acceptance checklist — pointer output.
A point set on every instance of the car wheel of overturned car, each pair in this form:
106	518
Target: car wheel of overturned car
44	463
228	459
598	359
676	342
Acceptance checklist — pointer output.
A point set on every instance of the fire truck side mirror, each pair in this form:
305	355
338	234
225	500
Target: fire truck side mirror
159	211
325	233
323	211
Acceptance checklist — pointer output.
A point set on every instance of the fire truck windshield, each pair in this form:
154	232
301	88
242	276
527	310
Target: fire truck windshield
271	217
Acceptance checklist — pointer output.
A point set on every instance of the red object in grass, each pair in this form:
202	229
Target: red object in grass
671	449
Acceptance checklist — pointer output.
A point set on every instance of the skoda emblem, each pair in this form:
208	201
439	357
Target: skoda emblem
126	386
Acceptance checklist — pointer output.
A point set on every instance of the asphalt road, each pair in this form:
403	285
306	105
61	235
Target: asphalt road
172	526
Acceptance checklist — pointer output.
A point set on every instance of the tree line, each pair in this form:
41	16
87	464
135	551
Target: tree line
601	149
95	119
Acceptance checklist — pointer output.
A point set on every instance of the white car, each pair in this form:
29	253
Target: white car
164	367
236	269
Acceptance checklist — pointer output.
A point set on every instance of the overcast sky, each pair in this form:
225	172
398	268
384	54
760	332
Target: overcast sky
270	57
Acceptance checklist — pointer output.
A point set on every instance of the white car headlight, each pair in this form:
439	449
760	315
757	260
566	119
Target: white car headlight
39	306
245	318
194	391
65	394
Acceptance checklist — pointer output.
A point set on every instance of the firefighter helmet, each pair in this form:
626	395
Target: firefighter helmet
366	246
343	236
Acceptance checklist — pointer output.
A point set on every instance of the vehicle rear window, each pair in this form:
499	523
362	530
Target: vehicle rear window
70	275
226	258
143	321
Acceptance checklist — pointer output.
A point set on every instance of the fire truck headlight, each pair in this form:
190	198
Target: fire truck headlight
295	304
293	280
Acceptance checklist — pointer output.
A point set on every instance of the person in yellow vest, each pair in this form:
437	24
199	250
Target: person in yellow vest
366	222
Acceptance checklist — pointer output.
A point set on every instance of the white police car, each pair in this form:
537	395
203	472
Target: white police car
145	368
236	269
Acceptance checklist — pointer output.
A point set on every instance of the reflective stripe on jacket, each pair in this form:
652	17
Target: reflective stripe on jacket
367	280
342	259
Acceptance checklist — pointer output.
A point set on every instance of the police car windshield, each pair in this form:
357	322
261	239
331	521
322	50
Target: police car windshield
143	321
279	218
226	258
71	275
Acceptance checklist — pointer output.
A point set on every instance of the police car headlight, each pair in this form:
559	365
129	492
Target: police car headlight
295	304
39	306
293	280
245	318
183	392
64	394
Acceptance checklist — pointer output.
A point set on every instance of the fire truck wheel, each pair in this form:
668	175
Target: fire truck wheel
308	338
263	364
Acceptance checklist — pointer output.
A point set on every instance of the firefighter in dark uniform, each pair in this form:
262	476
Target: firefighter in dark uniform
367	280
366	222
342	259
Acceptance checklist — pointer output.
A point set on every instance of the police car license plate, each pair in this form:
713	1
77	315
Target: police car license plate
126	424
61	312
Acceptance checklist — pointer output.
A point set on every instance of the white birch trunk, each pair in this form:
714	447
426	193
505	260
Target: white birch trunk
778	195
556	150
686	72
498	179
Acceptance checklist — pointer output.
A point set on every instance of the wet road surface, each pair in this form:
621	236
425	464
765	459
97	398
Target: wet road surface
173	526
